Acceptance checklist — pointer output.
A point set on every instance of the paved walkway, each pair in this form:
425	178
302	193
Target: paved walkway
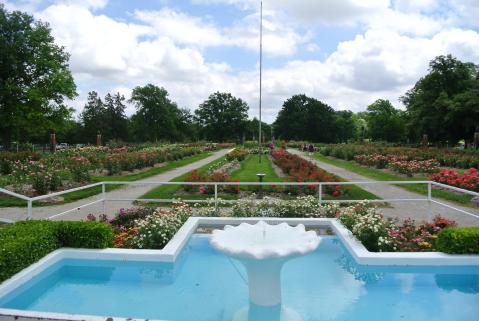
128	192
418	210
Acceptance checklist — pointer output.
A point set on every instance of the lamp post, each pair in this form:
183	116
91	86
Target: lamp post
260	76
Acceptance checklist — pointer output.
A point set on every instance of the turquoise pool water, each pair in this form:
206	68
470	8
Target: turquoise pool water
207	286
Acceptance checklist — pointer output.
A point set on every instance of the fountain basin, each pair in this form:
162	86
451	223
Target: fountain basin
263	249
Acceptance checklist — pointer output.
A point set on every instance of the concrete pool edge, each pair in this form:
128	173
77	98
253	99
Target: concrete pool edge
172	250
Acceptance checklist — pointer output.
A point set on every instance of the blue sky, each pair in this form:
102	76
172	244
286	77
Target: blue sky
346	53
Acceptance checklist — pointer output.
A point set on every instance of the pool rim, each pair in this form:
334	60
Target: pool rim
174	247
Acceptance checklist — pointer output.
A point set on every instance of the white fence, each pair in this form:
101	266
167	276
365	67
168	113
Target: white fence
320	186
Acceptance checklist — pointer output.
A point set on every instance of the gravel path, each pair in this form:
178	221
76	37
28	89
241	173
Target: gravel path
418	210
129	192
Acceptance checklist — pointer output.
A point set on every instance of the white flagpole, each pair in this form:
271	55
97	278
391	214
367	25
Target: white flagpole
260	77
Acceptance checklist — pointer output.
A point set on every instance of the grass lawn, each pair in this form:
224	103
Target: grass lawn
251	166
379	175
74	196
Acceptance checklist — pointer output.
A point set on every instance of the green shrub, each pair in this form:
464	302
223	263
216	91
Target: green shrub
24	243
94	235
458	240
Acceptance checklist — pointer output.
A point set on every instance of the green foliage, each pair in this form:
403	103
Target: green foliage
459	240
157	117
306	118
24	243
94	235
107	118
35	78
385	122
251	130
346	126
444	104
222	117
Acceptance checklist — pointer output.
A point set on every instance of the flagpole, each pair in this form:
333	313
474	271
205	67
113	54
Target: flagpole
260	77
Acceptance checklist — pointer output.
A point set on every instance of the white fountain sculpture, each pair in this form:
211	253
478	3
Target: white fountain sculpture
263	249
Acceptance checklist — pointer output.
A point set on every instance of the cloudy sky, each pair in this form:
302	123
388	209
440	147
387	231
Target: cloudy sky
346	53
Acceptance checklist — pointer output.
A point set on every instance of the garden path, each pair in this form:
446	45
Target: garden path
418	210
128	192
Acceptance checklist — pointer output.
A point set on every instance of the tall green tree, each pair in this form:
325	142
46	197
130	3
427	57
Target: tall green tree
305	118
92	118
35	78
385	122
222	117
345	126
186	125
115	118
443	104
156	115
252	129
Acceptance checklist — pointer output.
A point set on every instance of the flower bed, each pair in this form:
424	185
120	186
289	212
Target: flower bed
237	154
444	157
149	228
300	170
217	176
37	174
469	180
398	163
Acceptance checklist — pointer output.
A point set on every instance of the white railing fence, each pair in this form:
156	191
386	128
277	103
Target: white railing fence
103	196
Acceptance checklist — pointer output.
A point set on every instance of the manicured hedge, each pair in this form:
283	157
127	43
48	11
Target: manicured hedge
94	235
464	240
24	243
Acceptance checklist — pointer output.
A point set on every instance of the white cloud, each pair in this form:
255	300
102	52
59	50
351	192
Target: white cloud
166	47
329	11
172	24
406	23
280	38
465	12
313	47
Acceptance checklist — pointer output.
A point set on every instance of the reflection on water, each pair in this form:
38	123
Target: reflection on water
347	263
468	283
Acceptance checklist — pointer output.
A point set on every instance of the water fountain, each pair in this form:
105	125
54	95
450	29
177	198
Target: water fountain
263	249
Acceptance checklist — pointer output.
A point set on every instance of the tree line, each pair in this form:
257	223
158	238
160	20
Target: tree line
222	117
36	82
442	107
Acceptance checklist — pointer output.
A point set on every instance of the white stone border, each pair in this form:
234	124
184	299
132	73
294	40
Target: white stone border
171	251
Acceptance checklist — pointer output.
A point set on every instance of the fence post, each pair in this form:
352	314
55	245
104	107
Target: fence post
29	210
320	193
103	196
216	199
429	198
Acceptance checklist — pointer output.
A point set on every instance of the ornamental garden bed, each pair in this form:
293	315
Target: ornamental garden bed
242	165
34	174
375	170
153	228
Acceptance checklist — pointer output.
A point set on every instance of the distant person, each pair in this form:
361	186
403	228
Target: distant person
311	149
